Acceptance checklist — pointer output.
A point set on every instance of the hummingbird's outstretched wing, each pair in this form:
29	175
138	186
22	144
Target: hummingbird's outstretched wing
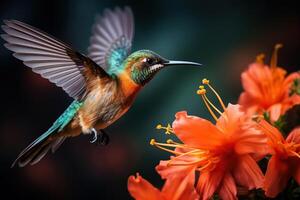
111	38
49	57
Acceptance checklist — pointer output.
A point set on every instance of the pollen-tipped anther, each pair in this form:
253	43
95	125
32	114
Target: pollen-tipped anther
201	91
170	141
260	58
152	142
168	129
205	81
159	126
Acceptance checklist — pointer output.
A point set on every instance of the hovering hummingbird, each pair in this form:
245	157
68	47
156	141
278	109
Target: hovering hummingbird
103	84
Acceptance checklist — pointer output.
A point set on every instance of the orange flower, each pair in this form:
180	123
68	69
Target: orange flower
141	189
223	153
268	88
285	162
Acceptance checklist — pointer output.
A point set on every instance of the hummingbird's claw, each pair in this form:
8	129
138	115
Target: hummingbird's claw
103	138
95	136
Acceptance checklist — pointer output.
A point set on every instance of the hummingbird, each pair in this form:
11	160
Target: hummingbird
104	83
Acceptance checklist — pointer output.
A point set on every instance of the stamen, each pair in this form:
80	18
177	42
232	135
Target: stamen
201	91
206	82
260	58
179	145
159	145
195	152
296	145
185	163
165	144
205	166
168	129
208	107
201	87
170	141
212	105
152	142
295	153
273	63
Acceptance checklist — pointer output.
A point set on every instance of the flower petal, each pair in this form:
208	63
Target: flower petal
289	80
251	81
247	173
272	133
246	100
253	141
249	105
179	167
208	183
228	188
290	102
277	176
196	132
180	188
275	112
231	119
294	136
141	189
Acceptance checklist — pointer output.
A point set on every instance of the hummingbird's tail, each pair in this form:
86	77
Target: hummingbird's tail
51	139
34	152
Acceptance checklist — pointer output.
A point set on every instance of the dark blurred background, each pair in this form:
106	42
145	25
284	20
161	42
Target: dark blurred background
223	35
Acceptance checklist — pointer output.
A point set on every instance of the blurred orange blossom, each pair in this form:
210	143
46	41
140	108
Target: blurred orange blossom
285	160
268	88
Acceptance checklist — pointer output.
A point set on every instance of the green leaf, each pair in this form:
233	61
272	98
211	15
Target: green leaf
267	116
295	88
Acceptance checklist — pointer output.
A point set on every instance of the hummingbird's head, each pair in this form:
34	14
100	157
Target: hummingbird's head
142	65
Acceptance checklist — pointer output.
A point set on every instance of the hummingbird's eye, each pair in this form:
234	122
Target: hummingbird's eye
149	61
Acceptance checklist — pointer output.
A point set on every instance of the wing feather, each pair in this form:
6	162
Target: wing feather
111	38
47	56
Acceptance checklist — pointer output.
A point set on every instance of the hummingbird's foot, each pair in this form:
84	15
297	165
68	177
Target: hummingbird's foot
95	136
103	138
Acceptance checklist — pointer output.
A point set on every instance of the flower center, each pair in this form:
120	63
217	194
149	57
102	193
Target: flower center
185	155
272	85
202	159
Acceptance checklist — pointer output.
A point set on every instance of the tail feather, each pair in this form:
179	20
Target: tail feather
56	144
40	154
36	151
30	156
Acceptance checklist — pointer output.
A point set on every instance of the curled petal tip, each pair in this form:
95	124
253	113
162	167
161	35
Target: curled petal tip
180	114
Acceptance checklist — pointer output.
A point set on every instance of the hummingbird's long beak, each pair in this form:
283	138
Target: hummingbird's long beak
175	62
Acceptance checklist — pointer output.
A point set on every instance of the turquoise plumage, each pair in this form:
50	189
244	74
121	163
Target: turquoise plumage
116	59
57	126
68	115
